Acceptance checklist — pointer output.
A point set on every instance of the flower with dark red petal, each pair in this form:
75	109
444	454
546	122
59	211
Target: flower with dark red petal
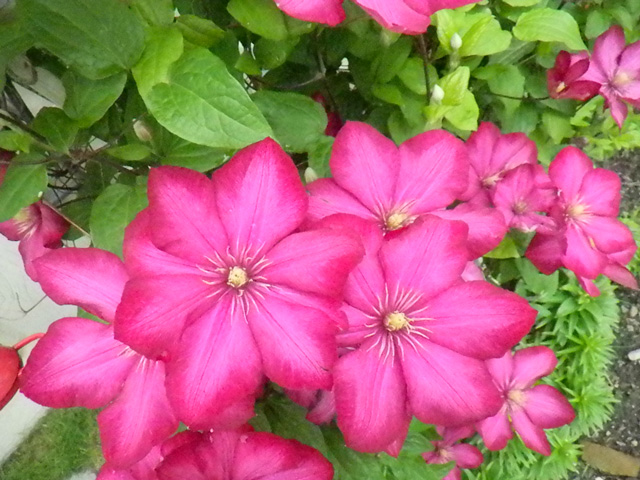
564	80
449	449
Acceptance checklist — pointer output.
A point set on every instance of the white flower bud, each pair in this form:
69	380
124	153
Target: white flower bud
456	42
437	95
310	175
142	131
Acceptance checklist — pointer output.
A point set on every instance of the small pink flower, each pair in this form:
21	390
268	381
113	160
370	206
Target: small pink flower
527	408
617	69
565	80
223	285
590	240
450	450
10	364
417	335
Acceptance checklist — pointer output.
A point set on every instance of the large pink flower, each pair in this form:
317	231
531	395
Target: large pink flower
565	80
590	240
617	69
393	186
418	335
529	409
78	363
449	449
223	285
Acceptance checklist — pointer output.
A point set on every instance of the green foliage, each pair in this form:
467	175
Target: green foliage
24	183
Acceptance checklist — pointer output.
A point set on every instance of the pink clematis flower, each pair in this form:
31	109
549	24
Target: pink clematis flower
565	80
617	69
590	240
527	408
78	363
392	187
329	12
244	455
37	227
222	283
522	194
450	450
418	335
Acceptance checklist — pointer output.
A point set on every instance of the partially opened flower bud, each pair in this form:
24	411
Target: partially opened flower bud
310	175
455	42
9	369
437	95
142	131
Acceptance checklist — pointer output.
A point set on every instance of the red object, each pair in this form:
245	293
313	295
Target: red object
9	368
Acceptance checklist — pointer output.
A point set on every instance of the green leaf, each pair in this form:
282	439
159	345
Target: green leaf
271	54
261	17
390	61
134	152
502	79
548	25
163	48
59	130
557	125
98	39
598	21
15	39
413	76
247	64
154	12
199	31
112	211
521	3
297	120
23	184
485	37
349	464
88	100
464	116
202	103
455	85
506	249
15	141
319	155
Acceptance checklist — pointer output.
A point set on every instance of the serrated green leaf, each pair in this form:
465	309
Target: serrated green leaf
98	39
112	211
23	183
88	100
163	48
199	31
548	25
134	152
297	120
202	103
261	17
59	130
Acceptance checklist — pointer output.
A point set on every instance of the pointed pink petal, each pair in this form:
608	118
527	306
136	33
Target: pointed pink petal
618	108
366	163
628	61
451	435
140	417
495	431
467	456
501	369
621	275
567	171
53	226
548	408
297	344
260	196
76	364
326	198
446	388
532	435
215	364
143	258
11	230
88	277
154	310
581	256
396	16
187	462
531	364
317	261
371	400
430	245
184	218
366	230
607	50
608	234
546	252
320	11
478	319
588	285
433	171
600	191
481	145
32	248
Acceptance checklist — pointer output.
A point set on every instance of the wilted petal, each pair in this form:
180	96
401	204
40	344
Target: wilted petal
329	12
548	408
371	400
76	364
532	435
495	431
531	364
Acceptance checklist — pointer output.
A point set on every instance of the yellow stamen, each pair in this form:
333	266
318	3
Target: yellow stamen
517	397
396	221
561	87
396	321
621	79
489	182
237	277
576	210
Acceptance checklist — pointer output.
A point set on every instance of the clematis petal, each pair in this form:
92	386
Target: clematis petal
608	234
430	245
143	258
621	275
215	364
531	364
319	11
548	408
52	224
470	311
433	171
76	364
297	343
140	417
185	221
618	108
260	196
501	369
396	15
371	399
495	431
568	169
607	50
600	190
546	252
431	6
317	261
581	256
532	435
31	248
88	277
326	198
446	388
154	310
467	456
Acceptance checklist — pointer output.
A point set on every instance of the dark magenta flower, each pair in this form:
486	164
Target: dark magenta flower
449	449
527	408
565	80
223	285
417	334
590	240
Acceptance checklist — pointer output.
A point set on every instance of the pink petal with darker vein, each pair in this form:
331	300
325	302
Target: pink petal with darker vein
531	364
329	12
547	407
532	435
326	198
495	431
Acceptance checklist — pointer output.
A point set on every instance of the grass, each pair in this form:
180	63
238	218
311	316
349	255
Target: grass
63	443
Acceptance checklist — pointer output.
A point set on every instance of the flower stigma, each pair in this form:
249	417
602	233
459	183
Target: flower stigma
396	221
237	277
561	87
516	398
621	79
396	321
576	210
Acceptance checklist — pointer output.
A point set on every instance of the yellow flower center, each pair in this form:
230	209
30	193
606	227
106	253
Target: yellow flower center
576	210
237	277
561	87
396	321
517	398
396	221
520	207
621	79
